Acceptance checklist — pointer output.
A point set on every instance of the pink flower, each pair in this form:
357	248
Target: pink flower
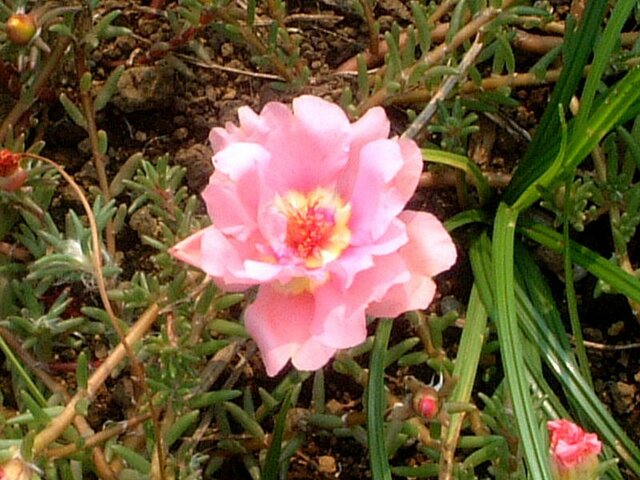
574	452
310	207
12	176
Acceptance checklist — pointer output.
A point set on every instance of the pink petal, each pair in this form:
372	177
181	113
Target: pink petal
428	252
253	127
430	249
408	178
189	250
356	259
233	194
373	125
312	355
229	261
415	294
339	320
309	151
375	202
279	323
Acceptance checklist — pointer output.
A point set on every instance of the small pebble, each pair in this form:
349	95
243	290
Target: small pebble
181	133
327	464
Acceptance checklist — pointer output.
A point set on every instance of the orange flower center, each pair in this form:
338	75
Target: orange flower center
309	229
317	230
9	162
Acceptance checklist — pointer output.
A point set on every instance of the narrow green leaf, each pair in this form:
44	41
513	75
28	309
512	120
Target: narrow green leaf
466	365
133	459
82	371
376	403
108	89
511	347
15	363
609	39
39	415
73	111
85	82
462	163
465	218
544	146
180	426
272	461
608	272
422	24
103	142
207	399
244	419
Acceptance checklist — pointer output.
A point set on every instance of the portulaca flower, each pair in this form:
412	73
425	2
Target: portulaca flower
309	207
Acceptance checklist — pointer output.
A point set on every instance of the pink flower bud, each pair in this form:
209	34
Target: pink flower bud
426	403
20	28
16	469
12	176
574	452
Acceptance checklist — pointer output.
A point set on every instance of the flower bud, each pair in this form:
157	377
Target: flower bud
12	176
426	403
574	452
16	469
20	28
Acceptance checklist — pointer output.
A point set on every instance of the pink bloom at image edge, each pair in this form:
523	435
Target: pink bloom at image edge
309	207
571	447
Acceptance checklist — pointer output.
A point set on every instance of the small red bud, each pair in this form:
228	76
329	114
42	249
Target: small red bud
12	176
426	403
20	28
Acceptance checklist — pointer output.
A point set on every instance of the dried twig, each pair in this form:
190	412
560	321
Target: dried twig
62	421
445	89
14	252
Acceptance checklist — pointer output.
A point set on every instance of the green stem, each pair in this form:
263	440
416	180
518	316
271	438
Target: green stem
572	303
22	372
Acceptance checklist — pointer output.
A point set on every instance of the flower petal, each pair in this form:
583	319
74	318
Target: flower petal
356	259
279	323
430	249
312	355
309	151
233	194
189	250
339	320
428	252
415	294
374	200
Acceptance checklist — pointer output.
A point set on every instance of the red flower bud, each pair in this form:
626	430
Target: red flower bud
426	403
20	28
12	176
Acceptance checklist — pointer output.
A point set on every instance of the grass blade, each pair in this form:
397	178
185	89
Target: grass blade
465	369
539	156
376	402
606	271
511	345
